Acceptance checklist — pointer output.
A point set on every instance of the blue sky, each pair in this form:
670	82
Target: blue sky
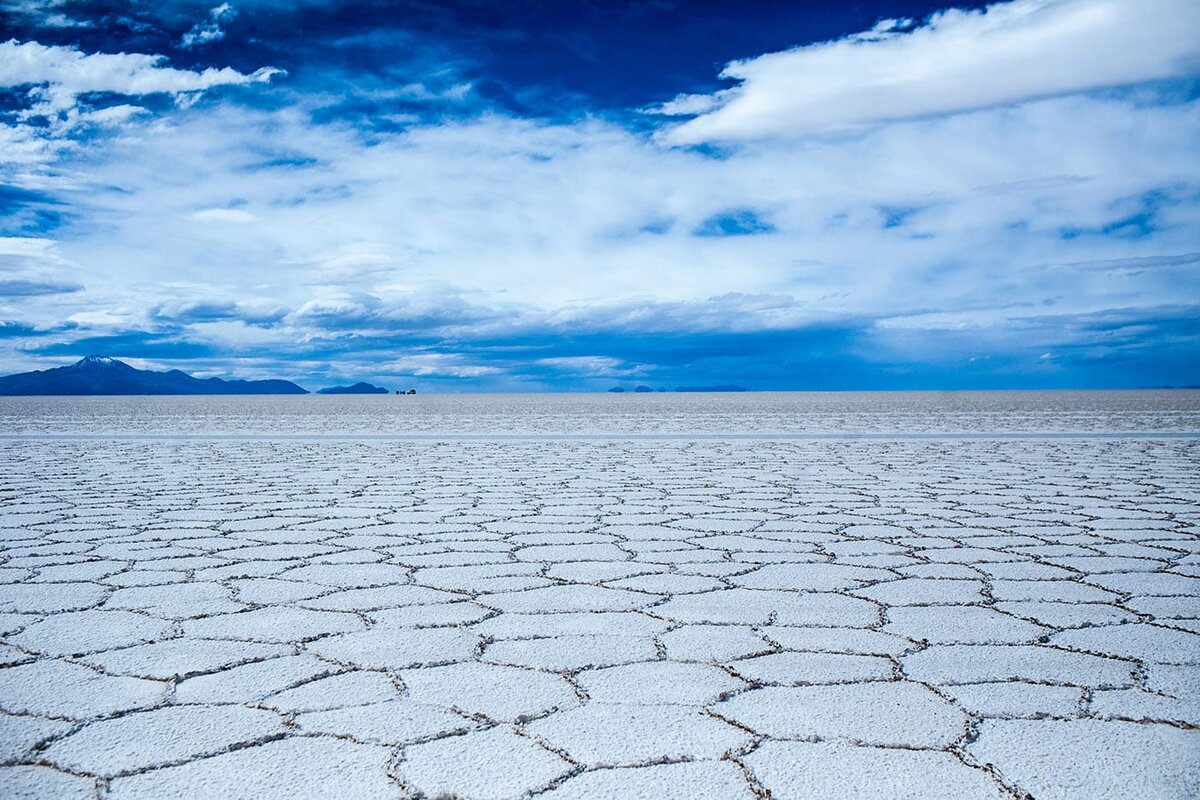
531	196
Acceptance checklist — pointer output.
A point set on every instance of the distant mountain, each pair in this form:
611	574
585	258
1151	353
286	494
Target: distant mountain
108	376
359	388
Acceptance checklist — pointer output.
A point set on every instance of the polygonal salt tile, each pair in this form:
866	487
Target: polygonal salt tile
297	767
892	714
976	663
379	597
55	688
179	658
18	734
1023	570
280	624
1051	592
758	607
1017	699
163	736
78	632
249	683
11	654
350	576
602	734
11	623
519	626
658	682
827	769
1067	615
431	614
713	569
1143	705
383	647
961	625
923	591
665	583
1165	608
37	783
273	591
337	691
1150	643
1143	584
48	598
569	653
391	722
796	668
499	692
145	578
568	598
597	571
837	640
811	577
501	763
1180	682
85	571
712	643
176	600
681	781
1058	759
572	552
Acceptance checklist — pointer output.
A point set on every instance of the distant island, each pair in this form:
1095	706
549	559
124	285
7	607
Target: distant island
100	375
362	387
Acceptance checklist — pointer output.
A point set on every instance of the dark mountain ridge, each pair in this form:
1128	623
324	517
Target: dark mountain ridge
100	375
362	387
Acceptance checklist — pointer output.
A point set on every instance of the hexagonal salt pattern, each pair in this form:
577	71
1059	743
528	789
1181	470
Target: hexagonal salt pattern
898	618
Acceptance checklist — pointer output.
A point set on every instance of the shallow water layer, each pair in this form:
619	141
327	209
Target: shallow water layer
609	414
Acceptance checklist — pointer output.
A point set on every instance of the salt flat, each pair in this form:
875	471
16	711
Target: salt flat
600	618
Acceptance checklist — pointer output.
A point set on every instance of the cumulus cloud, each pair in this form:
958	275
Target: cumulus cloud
56	76
956	61
452	365
209	29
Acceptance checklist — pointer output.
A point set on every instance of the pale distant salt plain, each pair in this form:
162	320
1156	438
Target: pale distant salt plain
911	595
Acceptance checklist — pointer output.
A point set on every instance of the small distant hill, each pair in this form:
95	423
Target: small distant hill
359	388
100	375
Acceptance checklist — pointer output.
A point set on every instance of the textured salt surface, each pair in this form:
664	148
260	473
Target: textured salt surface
600	619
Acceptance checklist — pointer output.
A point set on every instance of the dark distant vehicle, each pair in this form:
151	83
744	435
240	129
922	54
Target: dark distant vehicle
362	387
100	375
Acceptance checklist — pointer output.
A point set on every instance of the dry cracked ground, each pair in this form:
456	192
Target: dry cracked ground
600	619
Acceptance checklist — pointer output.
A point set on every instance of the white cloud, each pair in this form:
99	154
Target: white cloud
430	365
235	216
519	230
588	366
956	61
58	75
208	30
